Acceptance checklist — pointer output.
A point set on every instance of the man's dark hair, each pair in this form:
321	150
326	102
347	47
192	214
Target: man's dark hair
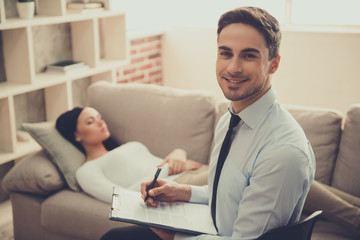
258	18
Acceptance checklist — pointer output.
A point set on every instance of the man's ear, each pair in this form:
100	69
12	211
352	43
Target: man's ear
274	64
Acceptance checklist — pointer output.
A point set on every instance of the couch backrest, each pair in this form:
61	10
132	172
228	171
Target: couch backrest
346	175
322	127
160	117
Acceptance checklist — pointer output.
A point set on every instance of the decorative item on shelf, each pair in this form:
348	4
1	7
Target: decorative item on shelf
25	8
84	7
67	66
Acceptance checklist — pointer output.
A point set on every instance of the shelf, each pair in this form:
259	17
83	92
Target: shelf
46	79
22	149
12	89
109	63
13	23
97	39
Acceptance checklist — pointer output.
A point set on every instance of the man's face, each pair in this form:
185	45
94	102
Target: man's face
243	67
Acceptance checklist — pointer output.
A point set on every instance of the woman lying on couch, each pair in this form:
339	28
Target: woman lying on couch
125	166
130	164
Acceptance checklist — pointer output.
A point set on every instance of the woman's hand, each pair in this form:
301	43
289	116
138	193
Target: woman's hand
179	163
176	160
165	191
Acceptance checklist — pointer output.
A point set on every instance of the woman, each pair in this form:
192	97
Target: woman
125	166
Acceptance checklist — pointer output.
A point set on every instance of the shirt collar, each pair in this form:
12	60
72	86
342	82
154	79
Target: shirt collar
254	113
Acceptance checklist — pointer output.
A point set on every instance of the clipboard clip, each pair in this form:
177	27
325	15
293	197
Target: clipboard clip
115	203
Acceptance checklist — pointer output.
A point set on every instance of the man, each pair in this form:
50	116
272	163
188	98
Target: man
270	165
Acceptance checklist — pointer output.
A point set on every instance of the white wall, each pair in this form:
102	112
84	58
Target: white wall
164	13
189	56
316	69
320	69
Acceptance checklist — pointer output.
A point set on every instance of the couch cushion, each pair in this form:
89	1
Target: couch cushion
324	230
338	207
76	214
347	170
161	118
64	155
34	174
323	129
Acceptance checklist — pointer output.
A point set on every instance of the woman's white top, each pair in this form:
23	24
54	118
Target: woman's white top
126	167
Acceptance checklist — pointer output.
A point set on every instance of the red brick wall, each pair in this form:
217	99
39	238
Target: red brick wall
145	62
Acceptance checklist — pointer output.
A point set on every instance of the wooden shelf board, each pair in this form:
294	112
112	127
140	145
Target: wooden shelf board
42	80
12	23
46	79
110	63
22	149
11	89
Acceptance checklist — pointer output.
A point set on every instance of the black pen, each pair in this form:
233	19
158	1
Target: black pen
153	183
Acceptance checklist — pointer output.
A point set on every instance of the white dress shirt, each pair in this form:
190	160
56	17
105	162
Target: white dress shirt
266	176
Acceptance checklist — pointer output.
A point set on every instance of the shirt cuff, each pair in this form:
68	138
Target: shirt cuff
184	236
199	194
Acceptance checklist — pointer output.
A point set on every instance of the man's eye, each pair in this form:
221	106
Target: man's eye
226	54
249	56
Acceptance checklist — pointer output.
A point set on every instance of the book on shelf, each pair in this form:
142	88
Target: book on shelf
66	66
184	217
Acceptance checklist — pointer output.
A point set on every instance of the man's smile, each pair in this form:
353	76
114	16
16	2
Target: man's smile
235	80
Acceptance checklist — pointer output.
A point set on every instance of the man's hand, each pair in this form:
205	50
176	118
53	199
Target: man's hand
164	234
165	191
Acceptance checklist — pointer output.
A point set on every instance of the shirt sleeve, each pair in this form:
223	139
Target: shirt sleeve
93	181
279	181
199	194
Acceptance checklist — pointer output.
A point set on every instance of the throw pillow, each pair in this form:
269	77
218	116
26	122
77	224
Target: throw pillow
34	174
346	172
64	155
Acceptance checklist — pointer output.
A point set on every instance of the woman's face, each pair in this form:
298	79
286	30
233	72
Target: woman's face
91	128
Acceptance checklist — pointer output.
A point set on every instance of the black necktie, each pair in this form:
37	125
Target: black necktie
225	147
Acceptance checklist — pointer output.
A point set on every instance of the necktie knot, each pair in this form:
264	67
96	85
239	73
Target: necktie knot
234	121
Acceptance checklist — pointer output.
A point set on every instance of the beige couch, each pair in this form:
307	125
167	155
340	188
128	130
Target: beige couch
47	202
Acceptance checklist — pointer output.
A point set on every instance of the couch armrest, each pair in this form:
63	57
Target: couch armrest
34	174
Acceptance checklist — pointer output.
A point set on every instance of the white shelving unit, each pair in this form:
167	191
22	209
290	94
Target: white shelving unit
98	39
